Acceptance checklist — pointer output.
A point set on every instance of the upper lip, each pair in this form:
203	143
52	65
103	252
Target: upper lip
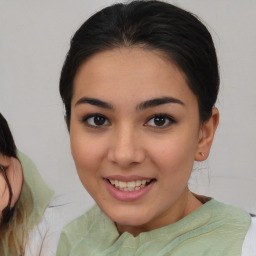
126	178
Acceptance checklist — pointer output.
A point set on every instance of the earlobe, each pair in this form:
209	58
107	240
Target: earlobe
206	136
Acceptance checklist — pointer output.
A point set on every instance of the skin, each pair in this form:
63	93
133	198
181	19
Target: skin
130	144
15	176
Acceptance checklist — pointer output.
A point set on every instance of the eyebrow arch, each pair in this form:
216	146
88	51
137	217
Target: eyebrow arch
157	102
144	105
94	102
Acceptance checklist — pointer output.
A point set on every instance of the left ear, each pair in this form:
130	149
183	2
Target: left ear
206	135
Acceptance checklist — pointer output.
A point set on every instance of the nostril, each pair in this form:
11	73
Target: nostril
125	150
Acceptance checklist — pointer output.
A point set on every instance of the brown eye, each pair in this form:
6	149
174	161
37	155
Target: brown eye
96	120
99	120
160	121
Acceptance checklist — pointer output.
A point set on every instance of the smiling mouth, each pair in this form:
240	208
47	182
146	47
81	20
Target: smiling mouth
130	185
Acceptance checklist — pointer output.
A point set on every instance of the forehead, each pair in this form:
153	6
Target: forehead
130	73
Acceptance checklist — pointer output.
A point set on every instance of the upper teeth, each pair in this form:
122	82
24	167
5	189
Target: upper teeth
130	185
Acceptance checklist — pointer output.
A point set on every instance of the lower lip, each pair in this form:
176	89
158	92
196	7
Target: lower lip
128	195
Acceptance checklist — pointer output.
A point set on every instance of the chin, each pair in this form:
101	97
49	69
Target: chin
129	217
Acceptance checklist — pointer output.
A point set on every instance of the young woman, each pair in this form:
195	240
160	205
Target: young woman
31	219
24	197
139	85
10	181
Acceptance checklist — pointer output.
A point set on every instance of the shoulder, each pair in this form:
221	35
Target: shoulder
76	231
34	188
79	226
37	235
226	218
249	245
228	225
240	227
231	214
45	235
231	219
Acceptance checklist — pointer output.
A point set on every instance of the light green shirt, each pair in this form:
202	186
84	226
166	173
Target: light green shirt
34	191
214	229
34	199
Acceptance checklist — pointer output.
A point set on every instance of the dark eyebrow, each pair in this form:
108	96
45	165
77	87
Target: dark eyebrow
141	106
157	102
94	102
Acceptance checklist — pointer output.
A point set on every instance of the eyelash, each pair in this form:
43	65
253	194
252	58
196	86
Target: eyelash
86	118
167	117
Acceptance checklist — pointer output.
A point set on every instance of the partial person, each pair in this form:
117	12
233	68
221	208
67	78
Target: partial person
139	85
31	219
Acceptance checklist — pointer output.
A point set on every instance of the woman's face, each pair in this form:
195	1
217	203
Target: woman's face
135	133
14	175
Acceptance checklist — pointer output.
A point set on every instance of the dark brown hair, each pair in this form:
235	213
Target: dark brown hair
157	25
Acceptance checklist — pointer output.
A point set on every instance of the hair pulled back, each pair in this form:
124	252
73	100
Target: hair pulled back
152	25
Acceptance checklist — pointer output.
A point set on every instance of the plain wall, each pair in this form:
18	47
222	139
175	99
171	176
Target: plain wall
34	39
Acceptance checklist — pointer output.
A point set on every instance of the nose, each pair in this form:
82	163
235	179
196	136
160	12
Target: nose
126	149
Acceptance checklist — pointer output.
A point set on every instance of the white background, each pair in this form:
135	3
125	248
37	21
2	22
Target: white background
34	38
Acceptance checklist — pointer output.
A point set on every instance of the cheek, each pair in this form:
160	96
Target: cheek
16	176
175	155
174	164
83	152
88	153
3	195
85	161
